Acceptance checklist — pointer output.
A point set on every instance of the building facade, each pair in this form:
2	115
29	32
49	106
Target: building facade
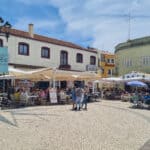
107	64
28	50
133	55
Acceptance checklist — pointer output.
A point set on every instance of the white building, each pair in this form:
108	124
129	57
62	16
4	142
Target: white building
28	50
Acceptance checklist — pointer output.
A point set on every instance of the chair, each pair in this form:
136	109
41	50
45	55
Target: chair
136	102
63	97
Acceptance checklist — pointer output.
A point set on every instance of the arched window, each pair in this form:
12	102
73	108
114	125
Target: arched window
45	52
23	49
63	58
92	60
1	43
79	58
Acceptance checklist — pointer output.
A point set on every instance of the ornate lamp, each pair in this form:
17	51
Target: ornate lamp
4	28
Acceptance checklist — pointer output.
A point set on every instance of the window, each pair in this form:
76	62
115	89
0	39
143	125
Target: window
109	71
102	57
112	61
92	60
127	62
108	60
79	58
23	49
45	52
102	70
64	58
146	60
1	43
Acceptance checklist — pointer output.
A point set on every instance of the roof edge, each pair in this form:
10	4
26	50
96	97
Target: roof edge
133	43
37	37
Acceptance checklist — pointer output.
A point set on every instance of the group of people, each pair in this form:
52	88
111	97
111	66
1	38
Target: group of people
79	98
139	98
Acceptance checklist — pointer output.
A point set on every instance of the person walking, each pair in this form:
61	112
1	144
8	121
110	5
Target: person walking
85	98
79	93
73	95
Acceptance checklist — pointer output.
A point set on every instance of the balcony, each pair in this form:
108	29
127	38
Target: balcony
109	64
91	68
65	67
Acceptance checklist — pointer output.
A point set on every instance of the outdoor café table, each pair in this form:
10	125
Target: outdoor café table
3	94
1	98
125	97
31	99
95	95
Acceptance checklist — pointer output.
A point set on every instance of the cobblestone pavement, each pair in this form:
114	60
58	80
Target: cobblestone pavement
107	125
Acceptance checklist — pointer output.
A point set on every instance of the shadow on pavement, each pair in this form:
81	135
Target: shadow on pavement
5	120
146	146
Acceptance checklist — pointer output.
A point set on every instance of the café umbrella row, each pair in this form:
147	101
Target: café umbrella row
47	74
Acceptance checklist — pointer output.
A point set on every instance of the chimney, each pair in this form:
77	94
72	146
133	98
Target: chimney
30	30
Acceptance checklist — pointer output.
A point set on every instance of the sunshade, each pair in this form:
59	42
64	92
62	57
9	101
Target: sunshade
137	84
60	75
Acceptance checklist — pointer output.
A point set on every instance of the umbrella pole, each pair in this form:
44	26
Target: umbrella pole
50	81
13	82
4	85
54	82
93	87
54	71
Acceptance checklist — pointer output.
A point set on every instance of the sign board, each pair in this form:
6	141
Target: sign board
70	84
3	60
53	95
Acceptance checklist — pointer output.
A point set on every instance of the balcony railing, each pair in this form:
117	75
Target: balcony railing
91	68
65	67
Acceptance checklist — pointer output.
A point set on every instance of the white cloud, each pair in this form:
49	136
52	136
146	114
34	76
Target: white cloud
40	24
105	21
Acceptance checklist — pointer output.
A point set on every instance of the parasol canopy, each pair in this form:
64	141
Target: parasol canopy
137	84
60	75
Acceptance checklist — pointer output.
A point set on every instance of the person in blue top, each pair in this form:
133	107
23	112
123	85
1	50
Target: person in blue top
73	95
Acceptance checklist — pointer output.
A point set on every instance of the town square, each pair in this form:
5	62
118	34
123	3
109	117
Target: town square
110	125
74	75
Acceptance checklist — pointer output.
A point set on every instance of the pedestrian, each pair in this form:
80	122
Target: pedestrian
73	95
79	93
85	98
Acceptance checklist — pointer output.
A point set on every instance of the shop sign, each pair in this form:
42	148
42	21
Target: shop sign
3	60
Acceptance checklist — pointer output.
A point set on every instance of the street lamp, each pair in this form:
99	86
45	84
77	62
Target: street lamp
4	28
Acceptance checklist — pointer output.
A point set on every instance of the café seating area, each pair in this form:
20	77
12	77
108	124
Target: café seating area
140	100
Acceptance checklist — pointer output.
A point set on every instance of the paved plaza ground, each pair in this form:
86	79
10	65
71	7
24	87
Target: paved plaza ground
107	125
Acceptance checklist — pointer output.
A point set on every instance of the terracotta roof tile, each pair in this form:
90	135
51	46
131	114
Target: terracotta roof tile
46	39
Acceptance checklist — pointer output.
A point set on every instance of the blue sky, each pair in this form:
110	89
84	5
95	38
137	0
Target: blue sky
96	23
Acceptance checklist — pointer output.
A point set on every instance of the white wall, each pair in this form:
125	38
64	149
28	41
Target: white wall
35	59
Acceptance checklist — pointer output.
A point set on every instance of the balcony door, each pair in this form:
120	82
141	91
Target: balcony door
63	58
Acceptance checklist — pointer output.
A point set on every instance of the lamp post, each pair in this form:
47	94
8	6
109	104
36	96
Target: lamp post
4	28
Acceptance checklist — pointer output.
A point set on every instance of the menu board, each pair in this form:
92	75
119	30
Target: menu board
53	95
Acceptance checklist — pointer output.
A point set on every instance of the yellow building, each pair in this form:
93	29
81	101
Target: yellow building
107	64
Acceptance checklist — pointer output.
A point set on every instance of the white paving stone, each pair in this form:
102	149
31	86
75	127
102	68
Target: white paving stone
107	125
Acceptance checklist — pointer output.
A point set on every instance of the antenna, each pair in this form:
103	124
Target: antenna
129	24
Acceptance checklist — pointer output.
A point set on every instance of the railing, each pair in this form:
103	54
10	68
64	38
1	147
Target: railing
65	67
